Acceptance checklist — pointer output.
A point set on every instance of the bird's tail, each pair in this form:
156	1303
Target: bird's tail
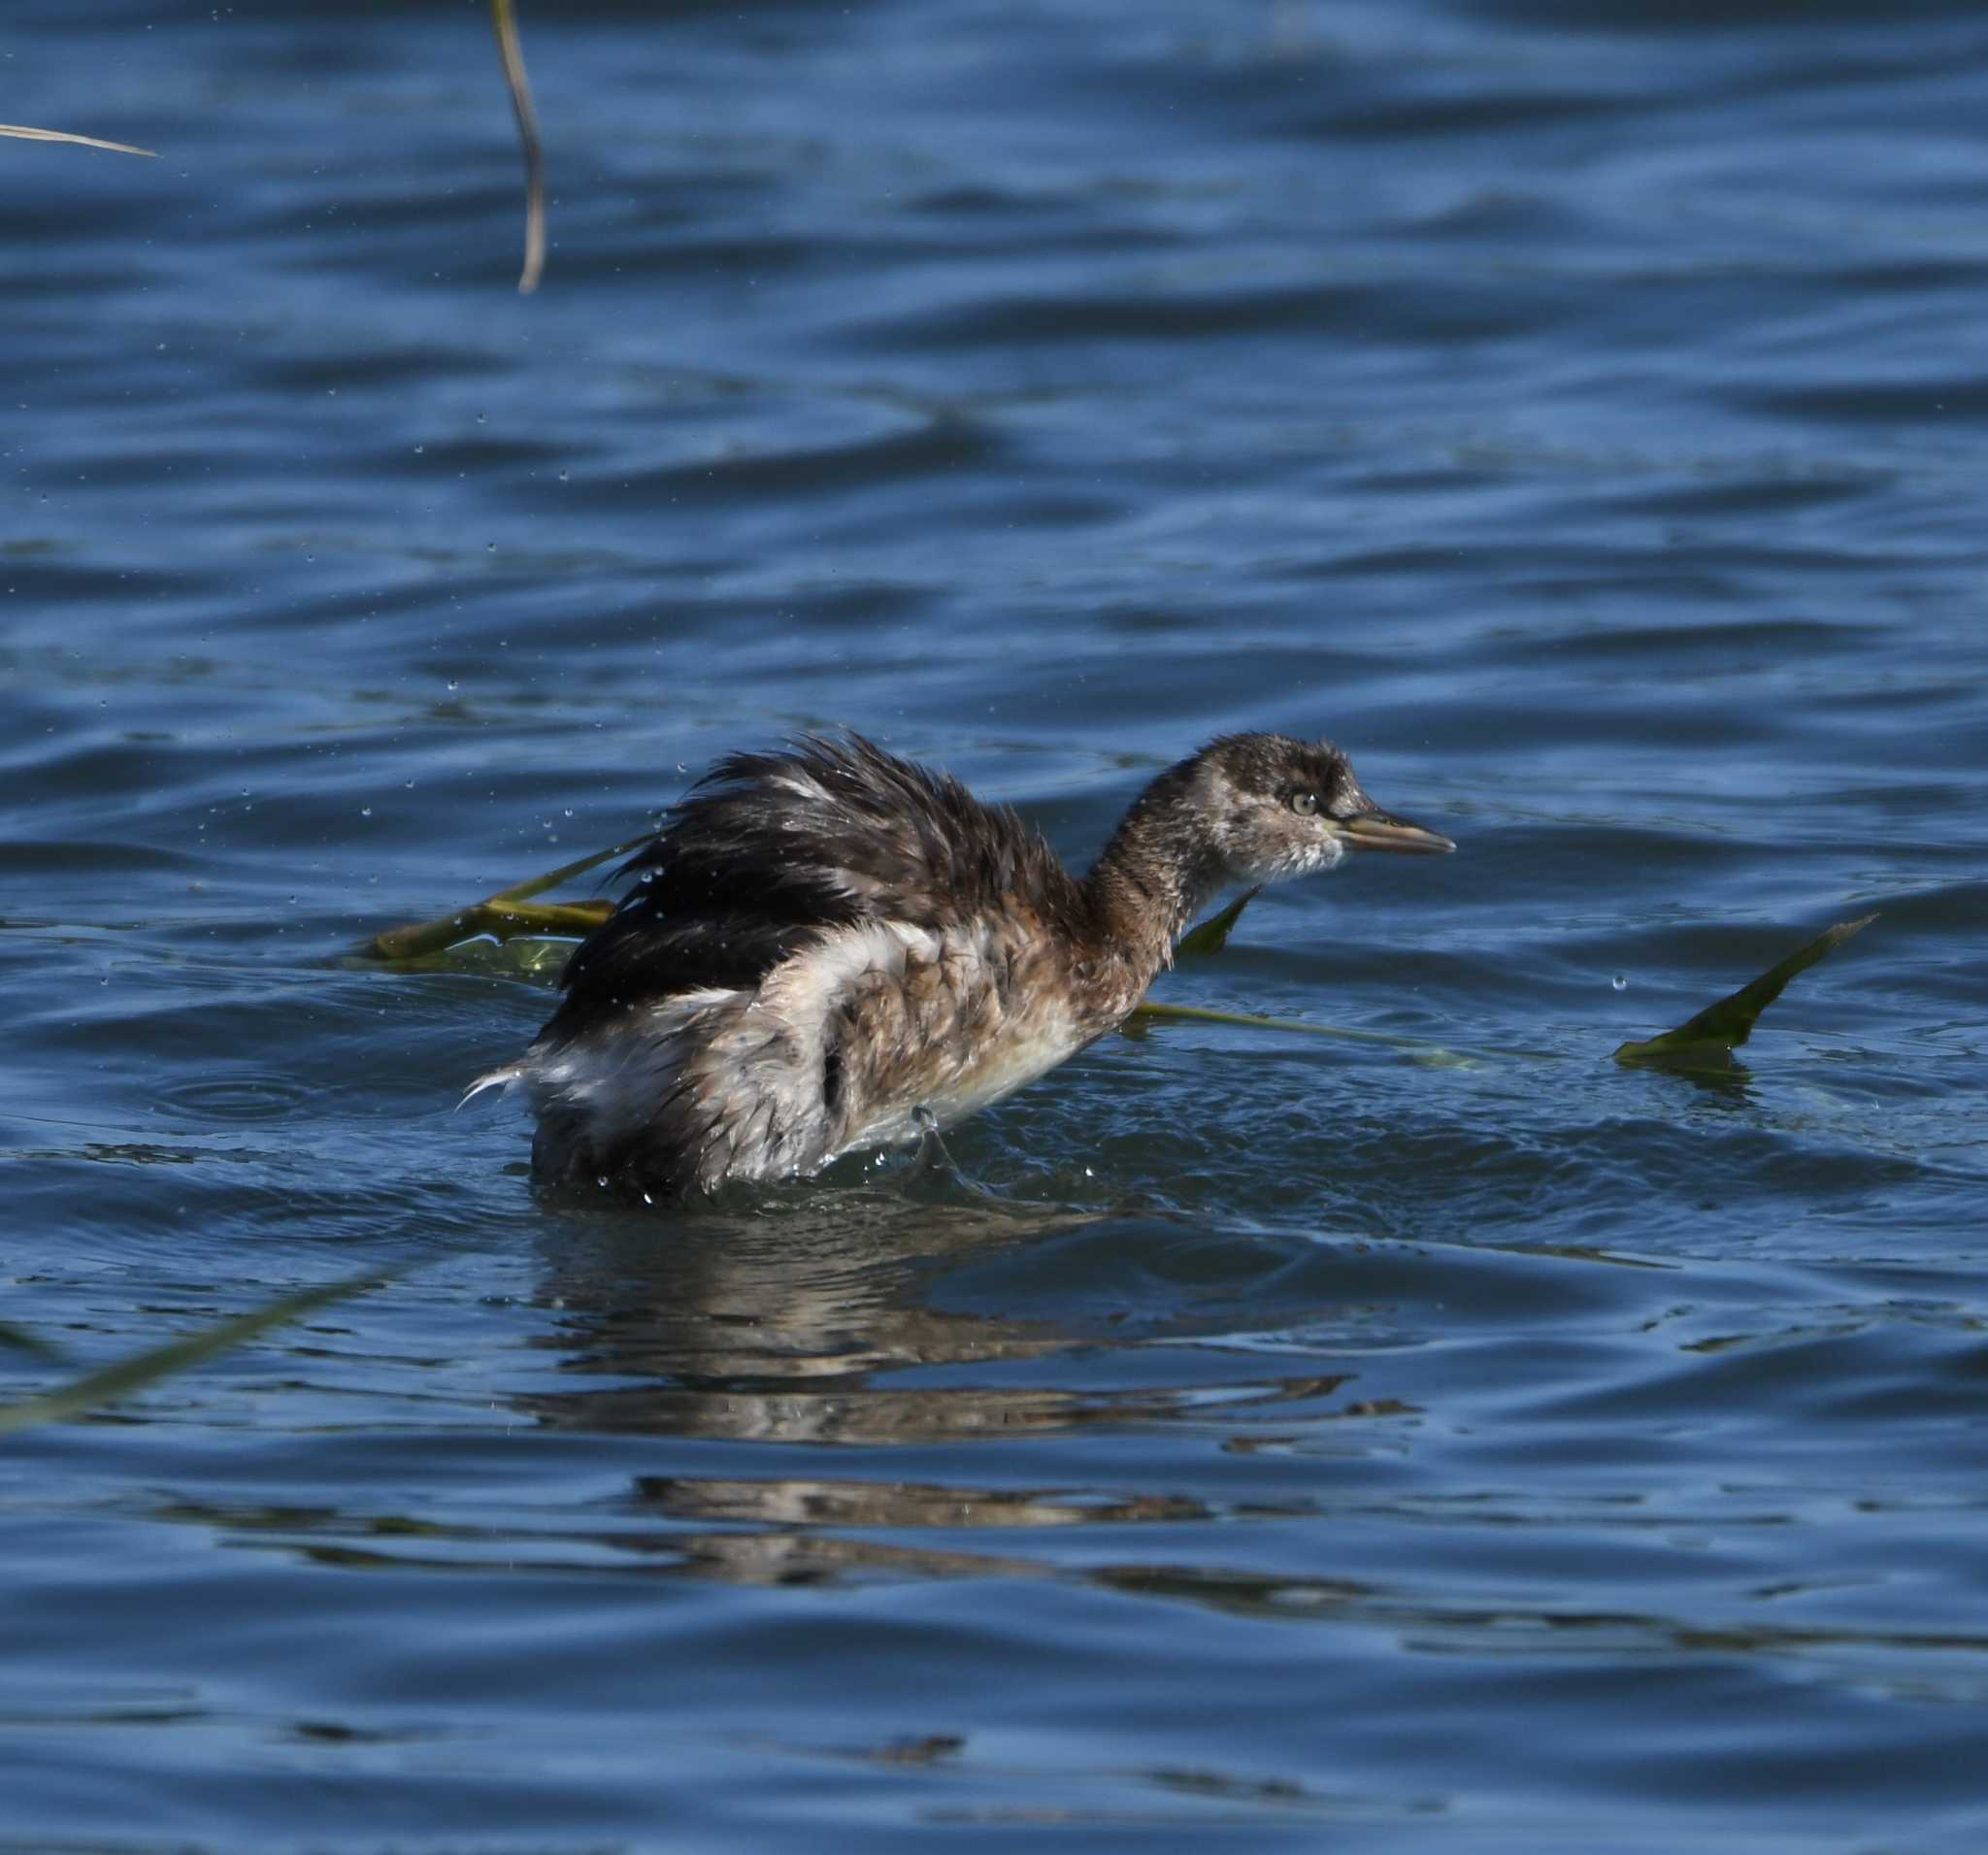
491	1078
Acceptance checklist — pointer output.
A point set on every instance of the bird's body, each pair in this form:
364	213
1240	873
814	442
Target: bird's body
829	948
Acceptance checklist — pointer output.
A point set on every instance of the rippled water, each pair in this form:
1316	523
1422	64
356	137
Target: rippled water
1577	411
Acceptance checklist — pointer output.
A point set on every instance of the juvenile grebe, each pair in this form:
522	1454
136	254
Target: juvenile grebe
829	948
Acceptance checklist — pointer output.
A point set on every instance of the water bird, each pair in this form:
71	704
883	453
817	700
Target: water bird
827	949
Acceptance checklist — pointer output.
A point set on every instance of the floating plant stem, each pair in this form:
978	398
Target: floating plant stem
1432	1053
19	1339
116	1383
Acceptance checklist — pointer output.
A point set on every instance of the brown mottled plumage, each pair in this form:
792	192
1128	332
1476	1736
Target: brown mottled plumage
828	947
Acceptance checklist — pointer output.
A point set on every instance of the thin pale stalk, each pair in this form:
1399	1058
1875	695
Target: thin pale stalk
80	141
503	22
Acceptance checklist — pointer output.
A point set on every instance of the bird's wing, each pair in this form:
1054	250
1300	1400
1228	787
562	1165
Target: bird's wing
769	851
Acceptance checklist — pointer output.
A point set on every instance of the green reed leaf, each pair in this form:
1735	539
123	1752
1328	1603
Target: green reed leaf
1719	1029
1212	935
97	1389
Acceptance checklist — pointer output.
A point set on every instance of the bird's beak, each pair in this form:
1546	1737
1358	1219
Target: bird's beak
1382	831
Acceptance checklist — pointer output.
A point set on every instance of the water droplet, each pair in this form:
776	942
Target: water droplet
1620	983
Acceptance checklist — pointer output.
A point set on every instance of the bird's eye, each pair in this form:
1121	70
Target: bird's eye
1305	803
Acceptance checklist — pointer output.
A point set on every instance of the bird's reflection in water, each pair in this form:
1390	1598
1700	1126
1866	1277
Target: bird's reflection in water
785	1323
771	1323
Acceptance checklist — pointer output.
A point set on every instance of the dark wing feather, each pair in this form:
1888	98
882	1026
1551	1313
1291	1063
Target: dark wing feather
769	849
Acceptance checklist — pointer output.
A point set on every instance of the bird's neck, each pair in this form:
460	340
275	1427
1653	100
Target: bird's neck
1154	876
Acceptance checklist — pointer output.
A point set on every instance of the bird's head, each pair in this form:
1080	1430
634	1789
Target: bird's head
1273	806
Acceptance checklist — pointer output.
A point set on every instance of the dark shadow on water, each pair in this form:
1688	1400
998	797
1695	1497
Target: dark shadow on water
1724	1084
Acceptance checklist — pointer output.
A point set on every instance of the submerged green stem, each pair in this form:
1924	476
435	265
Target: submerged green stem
1434	1053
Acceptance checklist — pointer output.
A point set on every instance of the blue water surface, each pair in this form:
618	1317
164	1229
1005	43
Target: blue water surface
1447	1440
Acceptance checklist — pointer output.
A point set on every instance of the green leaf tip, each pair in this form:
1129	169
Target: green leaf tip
1212	935
1710	1038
